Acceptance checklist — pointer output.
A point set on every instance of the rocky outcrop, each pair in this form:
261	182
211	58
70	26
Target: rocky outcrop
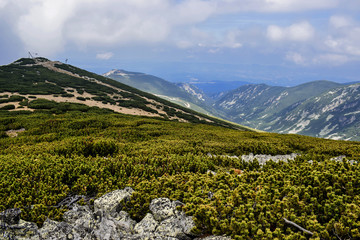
261	158
105	222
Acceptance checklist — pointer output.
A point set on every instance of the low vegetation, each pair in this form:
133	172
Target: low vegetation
66	150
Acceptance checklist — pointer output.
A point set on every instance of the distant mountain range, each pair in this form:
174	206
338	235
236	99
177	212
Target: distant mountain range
43	85
184	94
319	108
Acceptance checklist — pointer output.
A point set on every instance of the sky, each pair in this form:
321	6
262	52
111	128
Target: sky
278	42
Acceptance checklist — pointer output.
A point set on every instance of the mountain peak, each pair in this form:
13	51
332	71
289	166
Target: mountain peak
41	84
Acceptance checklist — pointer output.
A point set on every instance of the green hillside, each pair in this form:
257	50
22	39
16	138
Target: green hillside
162	88
29	84
94	152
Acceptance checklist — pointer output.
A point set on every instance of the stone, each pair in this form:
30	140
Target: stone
58	230
20	231
146	225
10	216
107	229
81	218
106	222
110	203
162	208
178	226
123	219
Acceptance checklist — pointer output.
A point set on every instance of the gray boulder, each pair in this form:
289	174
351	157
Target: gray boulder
105	223
162	208
110	203
54	230
178	226
82	219
21	231
10	216
147	225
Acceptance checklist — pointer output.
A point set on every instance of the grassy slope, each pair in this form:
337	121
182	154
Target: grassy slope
95	152
21	78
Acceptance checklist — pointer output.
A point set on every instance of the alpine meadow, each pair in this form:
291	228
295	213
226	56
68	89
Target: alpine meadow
66	133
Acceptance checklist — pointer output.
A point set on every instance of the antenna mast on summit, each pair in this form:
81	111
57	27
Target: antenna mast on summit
31	56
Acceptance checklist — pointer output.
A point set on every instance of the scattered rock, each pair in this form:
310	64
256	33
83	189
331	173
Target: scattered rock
10	216
57	230
162	208
178	226
261	158
106	222
14	132
211	172
210	195
343	157
147	225
110	203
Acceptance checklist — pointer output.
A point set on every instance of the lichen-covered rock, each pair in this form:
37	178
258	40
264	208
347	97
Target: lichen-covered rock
21	231
57	231
81	218
110	202
178	226
10	216
105	223
162	208
123	219
107	229
147	225
148	236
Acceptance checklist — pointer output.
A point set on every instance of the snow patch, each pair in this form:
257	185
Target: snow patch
300	126
326	130
190	90
314	116
330	117
350	113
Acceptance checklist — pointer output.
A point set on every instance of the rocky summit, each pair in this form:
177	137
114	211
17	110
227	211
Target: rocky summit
106	222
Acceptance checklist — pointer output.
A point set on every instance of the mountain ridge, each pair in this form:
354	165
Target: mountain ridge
41	83
266	108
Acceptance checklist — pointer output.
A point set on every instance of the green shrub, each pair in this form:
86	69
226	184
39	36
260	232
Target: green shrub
8	107
68	95
81	98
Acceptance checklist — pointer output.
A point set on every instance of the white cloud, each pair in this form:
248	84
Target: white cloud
295	57
345	36
232	39
3	3
275	5
47	25
331	59
298	5
340	21
275	33
302	31
41	29
104	56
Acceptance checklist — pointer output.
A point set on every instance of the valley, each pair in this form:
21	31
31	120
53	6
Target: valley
319	108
